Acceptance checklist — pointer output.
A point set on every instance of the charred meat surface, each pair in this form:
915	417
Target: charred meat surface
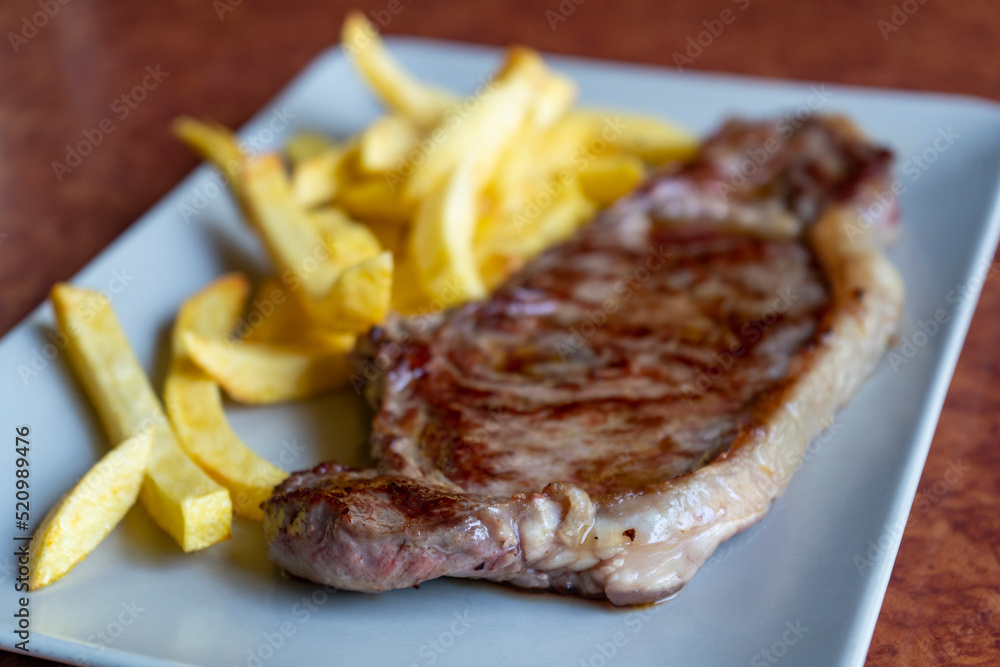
630	398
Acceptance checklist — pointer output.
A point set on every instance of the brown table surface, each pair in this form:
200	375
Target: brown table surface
942	605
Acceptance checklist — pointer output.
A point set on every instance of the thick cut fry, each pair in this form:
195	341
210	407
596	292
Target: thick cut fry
85	515
508	239
291	237
653	140
347	242
378	199
385	144
180	497
276	316
476	134
441	243
316	180
259	373
362	295
391	83
609	177
194	402
213	142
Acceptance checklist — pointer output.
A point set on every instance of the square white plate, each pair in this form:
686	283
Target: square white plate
805	583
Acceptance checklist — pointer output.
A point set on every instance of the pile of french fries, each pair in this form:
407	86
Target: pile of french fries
431	205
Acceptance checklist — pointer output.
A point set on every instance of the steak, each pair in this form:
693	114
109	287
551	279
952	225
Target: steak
629	399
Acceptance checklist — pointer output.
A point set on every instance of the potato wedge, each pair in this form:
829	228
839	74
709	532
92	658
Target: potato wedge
260	373
91	510
398	90
194	402
441	242
181	498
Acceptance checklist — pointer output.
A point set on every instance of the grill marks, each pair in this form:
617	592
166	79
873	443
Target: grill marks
615	368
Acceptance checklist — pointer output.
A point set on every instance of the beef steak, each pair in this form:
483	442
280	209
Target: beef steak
629	399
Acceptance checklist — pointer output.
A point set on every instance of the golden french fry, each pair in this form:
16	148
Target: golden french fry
476	134
508	239
441	242
362	295
305	145
92	508
347	242
259	373
277	316
377	199
390	82
608	177
654	140
194	402
214	143
554	93
291	237
385	144
316	179
180	497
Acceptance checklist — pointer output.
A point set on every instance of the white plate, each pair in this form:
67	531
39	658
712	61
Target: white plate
805	585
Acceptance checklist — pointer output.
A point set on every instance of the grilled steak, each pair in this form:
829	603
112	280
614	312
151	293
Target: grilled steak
630	398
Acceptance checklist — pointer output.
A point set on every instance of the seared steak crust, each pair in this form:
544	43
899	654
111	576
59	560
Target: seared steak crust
627	401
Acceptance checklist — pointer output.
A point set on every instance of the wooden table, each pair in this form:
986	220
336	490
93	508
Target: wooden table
226	59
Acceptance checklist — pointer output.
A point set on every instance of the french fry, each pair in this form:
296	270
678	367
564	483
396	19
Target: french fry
391	83
477	135
653	140
214	143
91	509
377	199
262	373
292	239
362	295
508	239
282	319
385	144
316	179
609	177
180	497
441	242
194	402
